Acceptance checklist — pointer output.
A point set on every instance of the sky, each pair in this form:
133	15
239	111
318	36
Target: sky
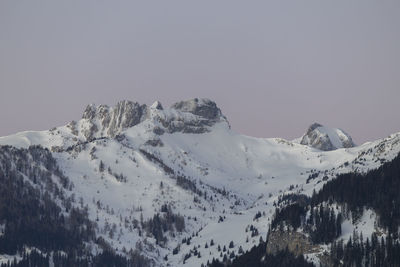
273	67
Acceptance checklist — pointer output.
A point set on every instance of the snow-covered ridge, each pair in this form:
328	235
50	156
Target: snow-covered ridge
325	138
191	116
125	162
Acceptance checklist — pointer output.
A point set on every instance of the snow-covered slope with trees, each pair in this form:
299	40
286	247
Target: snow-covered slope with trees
180	187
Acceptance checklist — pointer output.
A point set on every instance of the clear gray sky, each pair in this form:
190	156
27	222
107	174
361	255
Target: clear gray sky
273	67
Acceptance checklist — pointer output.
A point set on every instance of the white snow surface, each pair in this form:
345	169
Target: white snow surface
366	225
252	171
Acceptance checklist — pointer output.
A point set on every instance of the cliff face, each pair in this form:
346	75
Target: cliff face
190	116
325	138
296	242
110	121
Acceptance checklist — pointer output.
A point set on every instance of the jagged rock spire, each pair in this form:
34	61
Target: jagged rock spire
108	121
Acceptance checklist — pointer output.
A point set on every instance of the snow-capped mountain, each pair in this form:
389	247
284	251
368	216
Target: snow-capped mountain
325	138
176	185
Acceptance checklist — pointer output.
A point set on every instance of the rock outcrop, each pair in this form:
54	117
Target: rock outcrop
296	242
111	121
204	108
191	116
326	139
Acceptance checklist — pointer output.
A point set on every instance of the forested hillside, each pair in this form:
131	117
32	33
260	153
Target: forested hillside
321	216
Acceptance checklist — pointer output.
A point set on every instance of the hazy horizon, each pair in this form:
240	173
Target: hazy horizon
272	67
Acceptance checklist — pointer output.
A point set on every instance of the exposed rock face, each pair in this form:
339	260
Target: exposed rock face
296	242
110	121
201	107
326	139
191	116
126	114
157	105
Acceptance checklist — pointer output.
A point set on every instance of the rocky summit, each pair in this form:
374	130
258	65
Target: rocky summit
191	116
325	138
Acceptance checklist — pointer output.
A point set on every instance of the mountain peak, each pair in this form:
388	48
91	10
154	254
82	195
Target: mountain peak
110	121
157	105
325	138
202	107
189	116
